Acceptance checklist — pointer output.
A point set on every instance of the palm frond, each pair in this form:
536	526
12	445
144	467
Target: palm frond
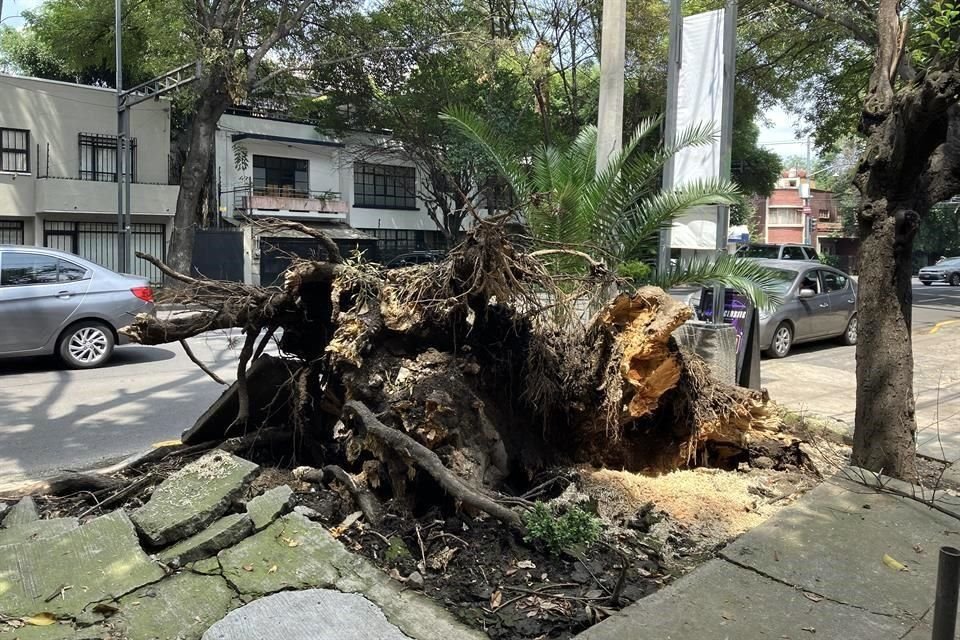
761	285
495	145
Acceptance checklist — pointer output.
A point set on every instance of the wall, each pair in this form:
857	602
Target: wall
53	195
778	235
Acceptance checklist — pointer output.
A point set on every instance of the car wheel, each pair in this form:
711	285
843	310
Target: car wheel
955	280
782	341
926	284
849	336
86	345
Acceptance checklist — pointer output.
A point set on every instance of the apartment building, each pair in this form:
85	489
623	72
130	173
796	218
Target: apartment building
58	170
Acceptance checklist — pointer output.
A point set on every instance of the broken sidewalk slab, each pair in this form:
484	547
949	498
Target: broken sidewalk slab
223	533
306	615
23	512
269	506
99	560
833	541
193	497
182	606
721	600
36	530
295	553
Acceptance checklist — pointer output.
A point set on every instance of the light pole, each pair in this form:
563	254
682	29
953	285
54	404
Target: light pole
124	156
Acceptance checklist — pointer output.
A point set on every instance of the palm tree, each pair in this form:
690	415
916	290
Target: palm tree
615	214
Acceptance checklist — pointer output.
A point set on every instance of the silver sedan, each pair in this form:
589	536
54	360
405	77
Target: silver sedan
53	302
819	303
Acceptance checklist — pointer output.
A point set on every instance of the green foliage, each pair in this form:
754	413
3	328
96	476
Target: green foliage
637	272
615	214
557	532
938	31
829	259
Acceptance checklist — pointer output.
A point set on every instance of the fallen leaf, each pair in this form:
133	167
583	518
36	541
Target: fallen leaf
894	564
543	577
41	619
341	528
248	567
272	569
918	548
510	571
135	603
441	559
810	629
293	543
496	599
526	564
812	596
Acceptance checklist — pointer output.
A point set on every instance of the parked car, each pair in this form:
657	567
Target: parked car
946	271
53	302
416	257
819	303
778	252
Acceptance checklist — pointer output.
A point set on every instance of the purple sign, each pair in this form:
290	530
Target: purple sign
737	311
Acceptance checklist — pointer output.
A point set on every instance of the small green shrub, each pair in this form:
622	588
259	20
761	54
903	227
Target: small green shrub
830	260
635	271
558	532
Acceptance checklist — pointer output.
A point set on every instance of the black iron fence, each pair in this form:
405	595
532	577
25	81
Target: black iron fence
97	242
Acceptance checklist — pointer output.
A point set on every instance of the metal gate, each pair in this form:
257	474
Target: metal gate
218	254
11	231
97	242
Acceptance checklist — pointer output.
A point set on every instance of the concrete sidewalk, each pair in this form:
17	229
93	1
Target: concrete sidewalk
815	570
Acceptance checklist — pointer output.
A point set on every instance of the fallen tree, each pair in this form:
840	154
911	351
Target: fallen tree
467	377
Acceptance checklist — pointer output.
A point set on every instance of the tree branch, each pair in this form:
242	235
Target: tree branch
196	361
862	34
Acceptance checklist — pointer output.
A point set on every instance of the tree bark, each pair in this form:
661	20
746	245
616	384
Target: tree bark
885	417
195	175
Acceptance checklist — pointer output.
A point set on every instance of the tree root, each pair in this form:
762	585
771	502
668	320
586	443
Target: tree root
366	501
428	461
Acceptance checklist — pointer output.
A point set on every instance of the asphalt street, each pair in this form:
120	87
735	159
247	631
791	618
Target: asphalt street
821	377
52	418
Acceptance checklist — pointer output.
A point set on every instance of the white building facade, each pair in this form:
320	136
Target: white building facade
58	170
357	189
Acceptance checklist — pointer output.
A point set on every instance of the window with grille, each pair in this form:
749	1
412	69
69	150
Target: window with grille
98	157
384	186
15	150
288	177
11	231
824	214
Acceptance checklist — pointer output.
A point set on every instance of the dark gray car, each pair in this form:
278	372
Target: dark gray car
819	303
53	302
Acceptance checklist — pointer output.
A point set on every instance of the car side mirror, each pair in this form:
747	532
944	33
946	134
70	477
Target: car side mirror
807	293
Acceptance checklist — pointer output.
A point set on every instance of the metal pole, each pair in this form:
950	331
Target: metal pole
674	55
726	140
121	264
127	181
948	587
612	62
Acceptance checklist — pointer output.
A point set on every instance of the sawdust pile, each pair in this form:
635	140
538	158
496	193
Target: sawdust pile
708	505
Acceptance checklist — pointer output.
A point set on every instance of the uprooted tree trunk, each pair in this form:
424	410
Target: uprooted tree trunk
467	377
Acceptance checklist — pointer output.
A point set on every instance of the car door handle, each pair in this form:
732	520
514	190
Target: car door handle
823	305
63	295
850	301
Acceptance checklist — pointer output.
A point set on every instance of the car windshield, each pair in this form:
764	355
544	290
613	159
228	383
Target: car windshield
785	279
759	251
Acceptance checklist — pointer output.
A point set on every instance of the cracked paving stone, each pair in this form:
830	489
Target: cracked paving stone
98	560
306	615
225	532
23	512
193	497
269	506
722	600
36	530
295	553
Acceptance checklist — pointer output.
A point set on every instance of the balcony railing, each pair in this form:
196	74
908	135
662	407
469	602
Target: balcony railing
252	201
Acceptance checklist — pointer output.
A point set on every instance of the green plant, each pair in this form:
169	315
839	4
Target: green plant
616	214
830	260
574	527
639	273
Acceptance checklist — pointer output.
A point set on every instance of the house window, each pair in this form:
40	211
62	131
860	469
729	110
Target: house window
384	186
280	177
785	217
11	231
15	150
98	157
824	214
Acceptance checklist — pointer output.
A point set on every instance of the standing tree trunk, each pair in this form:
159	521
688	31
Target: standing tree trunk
195	174
885	420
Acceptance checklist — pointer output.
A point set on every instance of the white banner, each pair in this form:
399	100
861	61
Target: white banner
699	103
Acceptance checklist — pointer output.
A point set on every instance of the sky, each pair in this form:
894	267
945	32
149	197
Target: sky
780	136
12	8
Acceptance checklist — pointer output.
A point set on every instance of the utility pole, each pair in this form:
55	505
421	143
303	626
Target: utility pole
726	140
674	55
612	62
124	158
